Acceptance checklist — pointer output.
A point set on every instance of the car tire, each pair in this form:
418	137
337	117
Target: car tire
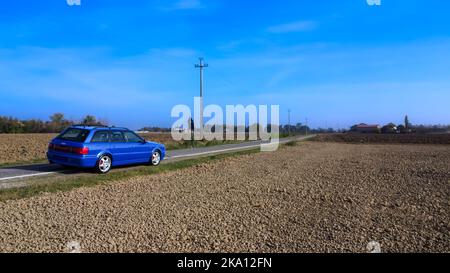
104	164
155	160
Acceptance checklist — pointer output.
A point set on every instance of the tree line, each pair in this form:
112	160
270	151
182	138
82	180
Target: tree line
283	129
56	123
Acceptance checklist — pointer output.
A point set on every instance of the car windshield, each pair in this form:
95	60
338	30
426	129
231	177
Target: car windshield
75	135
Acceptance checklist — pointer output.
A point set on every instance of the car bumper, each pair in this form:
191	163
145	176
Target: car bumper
80	161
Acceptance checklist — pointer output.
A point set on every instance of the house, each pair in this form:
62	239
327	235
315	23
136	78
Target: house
366	128
390	128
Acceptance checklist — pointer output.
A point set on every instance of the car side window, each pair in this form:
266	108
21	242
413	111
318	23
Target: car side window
100	137
117	137
132	137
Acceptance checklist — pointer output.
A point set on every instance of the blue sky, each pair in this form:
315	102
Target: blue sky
335	62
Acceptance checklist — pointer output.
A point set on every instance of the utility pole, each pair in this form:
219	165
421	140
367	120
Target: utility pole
201	65
289	122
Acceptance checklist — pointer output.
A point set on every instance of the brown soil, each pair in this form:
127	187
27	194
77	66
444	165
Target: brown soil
314	197
386	138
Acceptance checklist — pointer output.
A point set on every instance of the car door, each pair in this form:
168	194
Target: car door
100	143
119	148
140	151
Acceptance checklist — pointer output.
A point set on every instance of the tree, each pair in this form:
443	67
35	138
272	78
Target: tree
10	125
407	123
402	129
89	120
57	123
57	118
34	126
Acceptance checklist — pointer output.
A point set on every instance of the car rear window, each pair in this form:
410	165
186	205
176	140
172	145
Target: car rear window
75	135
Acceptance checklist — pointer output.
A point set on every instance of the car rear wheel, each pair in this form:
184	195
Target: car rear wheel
104	164
156	158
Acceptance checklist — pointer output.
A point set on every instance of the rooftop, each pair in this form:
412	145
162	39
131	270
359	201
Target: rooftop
92	127
363	125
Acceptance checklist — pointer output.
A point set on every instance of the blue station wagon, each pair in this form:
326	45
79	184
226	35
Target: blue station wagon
103	148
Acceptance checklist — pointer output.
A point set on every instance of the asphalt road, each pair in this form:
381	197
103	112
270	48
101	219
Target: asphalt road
23	172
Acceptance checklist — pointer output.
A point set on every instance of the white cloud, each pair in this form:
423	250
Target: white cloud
299	26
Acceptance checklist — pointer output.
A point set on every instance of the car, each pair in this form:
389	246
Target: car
101	148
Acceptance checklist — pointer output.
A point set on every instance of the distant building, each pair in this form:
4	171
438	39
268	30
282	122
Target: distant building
366	128
390	128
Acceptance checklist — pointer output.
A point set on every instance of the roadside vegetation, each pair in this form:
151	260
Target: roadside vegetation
56	123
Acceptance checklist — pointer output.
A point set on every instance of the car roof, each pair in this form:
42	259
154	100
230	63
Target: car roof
98	128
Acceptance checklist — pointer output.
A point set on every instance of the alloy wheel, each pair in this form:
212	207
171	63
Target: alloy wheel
104	164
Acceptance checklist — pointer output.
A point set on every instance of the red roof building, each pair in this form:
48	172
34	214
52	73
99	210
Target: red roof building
366	128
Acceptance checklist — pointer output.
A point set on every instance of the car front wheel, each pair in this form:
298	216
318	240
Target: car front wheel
156	158
104	164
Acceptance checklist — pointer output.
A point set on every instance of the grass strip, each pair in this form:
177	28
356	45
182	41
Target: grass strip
22	163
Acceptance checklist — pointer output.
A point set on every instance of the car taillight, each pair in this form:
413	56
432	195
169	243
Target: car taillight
51	146
81	151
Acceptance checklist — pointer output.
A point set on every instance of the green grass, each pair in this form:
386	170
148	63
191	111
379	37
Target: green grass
198	144
186	144
22	163
64	184
291	143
